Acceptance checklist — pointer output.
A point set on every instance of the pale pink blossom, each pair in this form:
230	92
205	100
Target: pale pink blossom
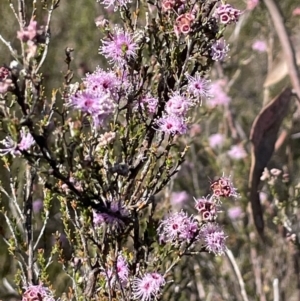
237	152
37	292
167	5
216	140
251	4
214	238
179	197
235	213
147	287
296	11
219	96
259	46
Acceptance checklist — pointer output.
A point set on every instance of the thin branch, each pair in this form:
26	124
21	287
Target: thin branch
22	22
14	11
238	274
47	31
17	247
276	289
42	230
30	175
8	45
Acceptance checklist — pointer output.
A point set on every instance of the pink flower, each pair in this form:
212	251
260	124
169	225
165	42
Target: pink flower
167	5
32	34
147	287
97	104
148	103
216	140
235	213
237	152
26	141
120	48
178	227
198	86
296	11
115	4
227	14
260	46
171	125
122	269
183	23
219	50
29	32
13	148
179	197
88	101
219	96
207	209
177	105
103	82
214	238
223	187
37	292
251	4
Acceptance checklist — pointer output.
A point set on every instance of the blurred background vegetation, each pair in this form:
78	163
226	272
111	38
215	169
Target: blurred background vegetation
245	70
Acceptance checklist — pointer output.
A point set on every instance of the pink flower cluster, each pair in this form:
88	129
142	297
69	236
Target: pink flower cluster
32	35
100	96
219	97
227	14
169	5
148	103
119	48
176	108
223	187
119	273
179	228
214	238
219	50
144	288
147	287
173	122
198	86
183	24
29	33
207	208
37	292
